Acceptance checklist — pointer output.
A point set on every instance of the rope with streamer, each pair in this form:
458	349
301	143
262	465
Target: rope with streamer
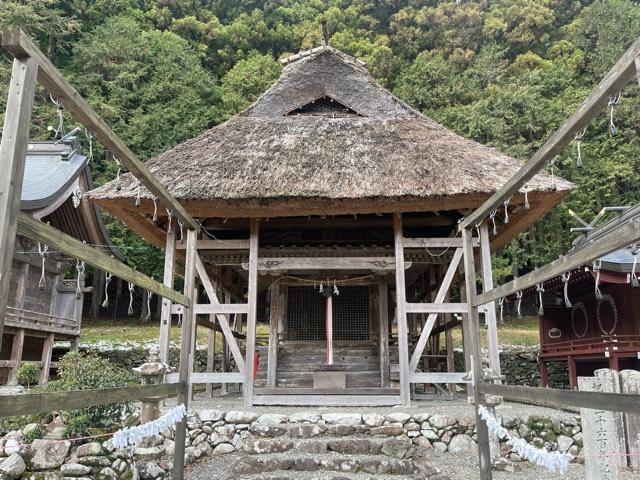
578	139
132	288
149	297
501	305
89	136
540	289
169	218
80	269
59	131
119	165
107	281
553	461
155	209
596	268
134	435
565	280
552	166
526	197
335	289
613	101
181	232
43	251
138	193
519	304
634	277
506	210
492	217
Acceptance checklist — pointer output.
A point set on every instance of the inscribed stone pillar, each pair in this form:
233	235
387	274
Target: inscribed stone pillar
630	383
601	447
614	382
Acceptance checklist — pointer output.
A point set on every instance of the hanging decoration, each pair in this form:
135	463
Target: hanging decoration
612	303
579	307
506	210
552	167
169	218
149	297
115	159
43	251
501	305
553	461
107	281
596	268
89	136
181	232
578	139
138	193
526	197
540	289
155	209
335	289
132	288
80	269
519	304
613	101
634	277
133	435
565	280
492	217
58	132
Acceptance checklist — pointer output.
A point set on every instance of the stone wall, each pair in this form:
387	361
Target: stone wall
395	436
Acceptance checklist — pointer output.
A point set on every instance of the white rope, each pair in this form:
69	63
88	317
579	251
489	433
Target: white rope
596	268
540	289
59	131
134	435
80	270
578	139
613	101
335	288
553	461
89	136
506	210
634	276
149	297
552	165
118	187
43	251
155	209
519	303
501	305
526	197
181	232
169	218
492	217
132	288
107	281
565	280
138	193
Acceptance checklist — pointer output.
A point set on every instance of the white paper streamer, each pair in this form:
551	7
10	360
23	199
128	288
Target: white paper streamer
134	435
555	462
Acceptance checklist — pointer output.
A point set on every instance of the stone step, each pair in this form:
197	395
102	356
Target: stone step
288	475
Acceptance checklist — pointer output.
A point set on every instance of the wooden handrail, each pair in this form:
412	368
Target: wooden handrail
33	403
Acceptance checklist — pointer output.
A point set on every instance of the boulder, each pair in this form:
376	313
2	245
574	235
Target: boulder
271	419
107	473
12	467
305	430
47	455
304	417
12	445
150	471
441	421
89	449
440	447
391	430
398	417
564	443
223	449
75	470
235	416
343	418
462	444
395	447
146	454
373	419
211	415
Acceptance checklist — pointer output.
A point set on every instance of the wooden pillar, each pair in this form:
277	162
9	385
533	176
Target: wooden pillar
98	282
194	340
47	349
211	351
383	333
274	320
466	342
16	357
484	449
613	362
165	314
401	310
252	300
13	149
451	366
490	316
573	375
184	372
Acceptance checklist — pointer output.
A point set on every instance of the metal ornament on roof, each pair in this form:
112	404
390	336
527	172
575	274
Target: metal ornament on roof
492	217
76	197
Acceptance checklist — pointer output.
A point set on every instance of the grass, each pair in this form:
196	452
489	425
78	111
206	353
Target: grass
516	332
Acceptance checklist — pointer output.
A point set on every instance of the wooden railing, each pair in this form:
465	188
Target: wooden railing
28	319
593	344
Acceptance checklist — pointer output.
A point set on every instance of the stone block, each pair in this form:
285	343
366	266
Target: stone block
150	471
350	446
341	430
391	430
630	383
304	417
75	470
373	419
12	467
271	419
211	415
223	449
48	454
462	444
147	454
239	417
342	418
315	446
87	449
395	447
442	421
398	417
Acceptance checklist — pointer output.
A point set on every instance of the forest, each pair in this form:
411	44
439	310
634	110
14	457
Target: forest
506	73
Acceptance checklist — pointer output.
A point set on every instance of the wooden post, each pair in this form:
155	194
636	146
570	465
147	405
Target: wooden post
401	310
185	351
451	366
274	320
16	357
252	300
573	375
490	316
211	352
13	150
47	349
383	333
466	342
472	329
168	278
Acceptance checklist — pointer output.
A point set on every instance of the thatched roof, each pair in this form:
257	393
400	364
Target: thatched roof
327	132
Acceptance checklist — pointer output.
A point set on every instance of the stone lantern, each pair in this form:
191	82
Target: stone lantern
151	373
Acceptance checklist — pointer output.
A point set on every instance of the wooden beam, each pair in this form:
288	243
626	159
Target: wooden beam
439	377
214	326
401	310
472	328
613	82
436	307
440	296
208	244
186	343
216	308
383	333
252	300
490	313
41	232
612	402
168	279
16	357
329	400
33	403
18	43
45	361
327	263
274	321
436	242
209	288
617	238
211	377
13	150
